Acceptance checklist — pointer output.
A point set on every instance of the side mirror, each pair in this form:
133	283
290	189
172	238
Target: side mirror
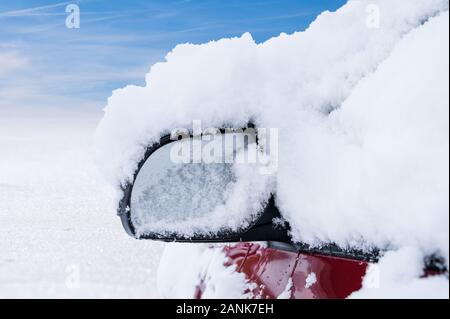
202	189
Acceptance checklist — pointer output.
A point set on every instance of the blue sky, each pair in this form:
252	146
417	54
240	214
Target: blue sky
43	63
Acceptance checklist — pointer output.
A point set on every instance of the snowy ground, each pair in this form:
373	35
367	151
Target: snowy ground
59	236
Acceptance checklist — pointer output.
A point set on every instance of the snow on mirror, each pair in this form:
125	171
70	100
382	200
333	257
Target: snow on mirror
199	186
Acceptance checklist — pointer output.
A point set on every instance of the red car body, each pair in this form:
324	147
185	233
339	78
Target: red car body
270	269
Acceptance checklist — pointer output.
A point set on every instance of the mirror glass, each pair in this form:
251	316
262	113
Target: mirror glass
199	186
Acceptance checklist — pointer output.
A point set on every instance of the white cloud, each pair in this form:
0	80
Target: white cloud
11	61
41	10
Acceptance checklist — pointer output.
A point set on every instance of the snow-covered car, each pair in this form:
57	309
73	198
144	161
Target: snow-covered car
355	186
175	198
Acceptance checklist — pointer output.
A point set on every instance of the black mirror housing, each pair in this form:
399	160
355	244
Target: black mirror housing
266	227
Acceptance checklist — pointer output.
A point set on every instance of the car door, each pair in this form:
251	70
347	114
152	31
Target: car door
281	272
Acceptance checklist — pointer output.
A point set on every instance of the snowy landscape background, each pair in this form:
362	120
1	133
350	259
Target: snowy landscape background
58	231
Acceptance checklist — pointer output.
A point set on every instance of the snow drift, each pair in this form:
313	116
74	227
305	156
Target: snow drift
362	115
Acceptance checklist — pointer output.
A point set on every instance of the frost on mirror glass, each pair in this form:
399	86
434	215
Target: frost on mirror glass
199	186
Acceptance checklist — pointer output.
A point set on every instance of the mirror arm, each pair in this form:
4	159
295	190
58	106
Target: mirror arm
265	230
